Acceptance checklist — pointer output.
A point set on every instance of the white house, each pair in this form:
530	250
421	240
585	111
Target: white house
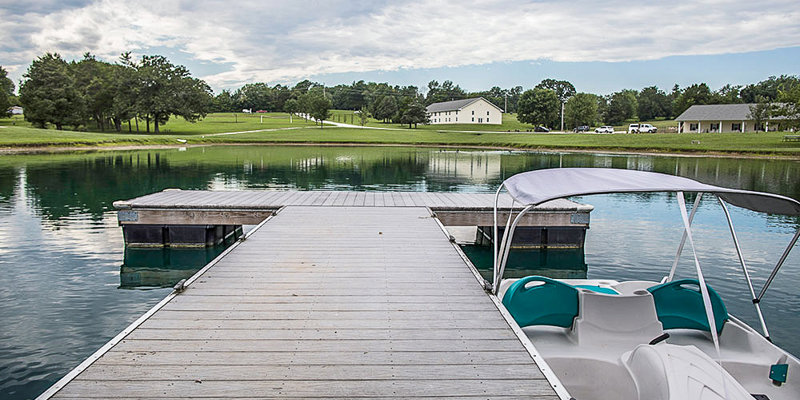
16	110
468	111
722	118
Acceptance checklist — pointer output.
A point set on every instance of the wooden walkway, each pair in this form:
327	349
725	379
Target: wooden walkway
322	302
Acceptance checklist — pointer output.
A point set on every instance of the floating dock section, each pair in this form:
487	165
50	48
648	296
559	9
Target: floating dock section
324	302
204	217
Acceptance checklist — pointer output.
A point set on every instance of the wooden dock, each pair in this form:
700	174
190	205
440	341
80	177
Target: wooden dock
204	217
324	302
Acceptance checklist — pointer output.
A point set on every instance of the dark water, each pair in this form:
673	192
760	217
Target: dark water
67	285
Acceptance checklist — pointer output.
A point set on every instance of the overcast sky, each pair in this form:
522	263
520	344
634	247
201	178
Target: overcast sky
600	46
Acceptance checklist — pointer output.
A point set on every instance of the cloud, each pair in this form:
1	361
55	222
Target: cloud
279	41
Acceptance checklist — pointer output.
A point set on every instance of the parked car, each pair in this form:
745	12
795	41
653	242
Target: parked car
647	128
641	128
541	129
582	128
604	129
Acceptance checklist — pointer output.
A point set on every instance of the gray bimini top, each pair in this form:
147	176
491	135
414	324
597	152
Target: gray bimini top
536	187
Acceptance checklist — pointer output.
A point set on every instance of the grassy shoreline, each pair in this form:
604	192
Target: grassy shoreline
279	131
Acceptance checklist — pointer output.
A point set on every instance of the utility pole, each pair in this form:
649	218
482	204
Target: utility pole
562	116
505	109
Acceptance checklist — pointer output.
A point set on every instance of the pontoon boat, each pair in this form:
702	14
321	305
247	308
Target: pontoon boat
642	340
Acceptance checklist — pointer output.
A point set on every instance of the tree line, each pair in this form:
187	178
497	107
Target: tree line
152	90
90	91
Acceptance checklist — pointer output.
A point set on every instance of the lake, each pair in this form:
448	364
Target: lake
67	283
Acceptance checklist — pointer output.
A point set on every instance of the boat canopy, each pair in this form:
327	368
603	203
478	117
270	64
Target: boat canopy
536	187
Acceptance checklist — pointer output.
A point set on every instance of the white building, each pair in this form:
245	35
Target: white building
468	111
723	118
16	110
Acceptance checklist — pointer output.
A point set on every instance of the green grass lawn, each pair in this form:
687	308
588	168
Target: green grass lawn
16	133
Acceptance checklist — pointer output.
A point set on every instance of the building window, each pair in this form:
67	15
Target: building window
736	127
715	127
487	119
456	119
480	120
473	119
473	112
692	127
487	113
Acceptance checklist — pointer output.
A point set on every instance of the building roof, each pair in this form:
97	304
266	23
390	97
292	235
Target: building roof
456	105
718	112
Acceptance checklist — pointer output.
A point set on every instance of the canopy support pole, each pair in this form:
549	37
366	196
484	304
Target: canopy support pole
683	238
779	264
494	237
753	297
703	288
505	246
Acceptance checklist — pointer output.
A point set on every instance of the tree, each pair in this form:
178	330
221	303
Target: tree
581	109
6	93
291	106
652	103
789	107
363	115
769	88
415	114
93	79
564	90
760	112
695	94
386	109
125	81
447	91
224	102
167	89
621	106
539	107
319	107
49	94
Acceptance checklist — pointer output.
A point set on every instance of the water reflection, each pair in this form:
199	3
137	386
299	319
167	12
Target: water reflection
163	267
553	263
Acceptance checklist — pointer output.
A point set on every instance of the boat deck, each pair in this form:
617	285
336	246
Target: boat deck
323	302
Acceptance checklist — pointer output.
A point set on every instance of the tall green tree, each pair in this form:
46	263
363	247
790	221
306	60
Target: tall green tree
621	106
49	93
581	109
539	107
652	103
386	109
769	88
564	90
698	93
6	93
760	112
363	115
320	107
168	89
789	107
94	81
125	81
415	114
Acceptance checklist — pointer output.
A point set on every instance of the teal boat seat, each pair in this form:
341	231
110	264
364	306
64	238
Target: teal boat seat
549	302
679	304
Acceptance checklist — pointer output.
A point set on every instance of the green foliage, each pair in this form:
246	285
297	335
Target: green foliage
539	107
319	107
415	114
770	88
385	109
363	115
653	103
167	89
695	94
621	106
563	89
6	93
447	91
581	109
50	95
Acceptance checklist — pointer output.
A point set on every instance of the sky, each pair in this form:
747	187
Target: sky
600	47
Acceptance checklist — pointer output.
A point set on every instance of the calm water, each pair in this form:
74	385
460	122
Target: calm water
67	285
